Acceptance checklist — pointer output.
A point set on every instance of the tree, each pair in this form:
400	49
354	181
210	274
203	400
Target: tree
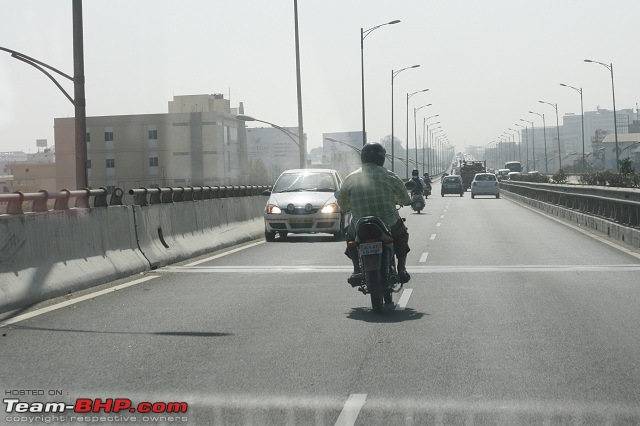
258	173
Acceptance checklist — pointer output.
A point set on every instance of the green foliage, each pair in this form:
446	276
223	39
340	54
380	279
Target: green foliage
535	178
626	166
612	179
560	177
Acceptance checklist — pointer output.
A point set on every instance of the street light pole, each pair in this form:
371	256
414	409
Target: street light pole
409	95
555	106
544	133
78	100
393	76
363	35
615	120
415	132
584	164
533	144
301	144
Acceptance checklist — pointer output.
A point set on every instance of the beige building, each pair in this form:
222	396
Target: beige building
32	177
198	142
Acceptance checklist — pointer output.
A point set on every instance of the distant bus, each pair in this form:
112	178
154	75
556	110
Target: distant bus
513	166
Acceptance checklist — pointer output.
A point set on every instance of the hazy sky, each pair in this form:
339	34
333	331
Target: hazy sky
485	63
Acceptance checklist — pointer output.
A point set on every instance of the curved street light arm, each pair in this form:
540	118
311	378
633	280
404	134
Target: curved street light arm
365	33
289	133
40	66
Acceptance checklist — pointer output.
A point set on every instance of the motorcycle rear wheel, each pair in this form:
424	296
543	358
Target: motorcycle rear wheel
374	279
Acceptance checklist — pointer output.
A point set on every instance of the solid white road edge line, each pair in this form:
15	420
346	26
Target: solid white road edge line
351	409
198	262
74	301
404	299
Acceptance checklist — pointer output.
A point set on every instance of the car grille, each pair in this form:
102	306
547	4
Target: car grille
301	211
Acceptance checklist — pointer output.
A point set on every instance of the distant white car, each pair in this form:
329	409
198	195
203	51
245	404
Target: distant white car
303	201
485	184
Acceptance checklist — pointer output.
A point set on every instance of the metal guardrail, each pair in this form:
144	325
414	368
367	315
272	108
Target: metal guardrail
142	196
40	200
146	196
618	206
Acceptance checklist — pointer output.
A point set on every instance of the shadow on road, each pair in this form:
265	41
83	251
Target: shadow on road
366	314
153	333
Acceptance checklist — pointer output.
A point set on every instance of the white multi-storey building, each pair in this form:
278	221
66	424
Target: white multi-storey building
198	142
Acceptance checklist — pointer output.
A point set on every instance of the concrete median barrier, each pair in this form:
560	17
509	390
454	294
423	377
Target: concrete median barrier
45	255
169	233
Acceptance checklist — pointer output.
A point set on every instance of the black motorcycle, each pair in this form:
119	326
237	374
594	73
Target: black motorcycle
418	200
377	261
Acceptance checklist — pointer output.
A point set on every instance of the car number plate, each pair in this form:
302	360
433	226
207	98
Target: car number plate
370	248
297	220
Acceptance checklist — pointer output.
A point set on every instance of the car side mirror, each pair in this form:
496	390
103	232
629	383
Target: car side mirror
336	194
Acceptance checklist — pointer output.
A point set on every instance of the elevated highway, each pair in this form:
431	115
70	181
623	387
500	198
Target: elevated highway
512	316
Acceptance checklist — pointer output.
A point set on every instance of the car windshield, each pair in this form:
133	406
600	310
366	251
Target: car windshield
318	182
485	177
451	179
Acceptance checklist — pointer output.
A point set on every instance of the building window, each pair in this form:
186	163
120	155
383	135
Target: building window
88	137
111	163
108	136
153	162
88	164
153	134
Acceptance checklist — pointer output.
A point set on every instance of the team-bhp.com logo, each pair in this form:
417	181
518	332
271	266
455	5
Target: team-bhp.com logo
96	405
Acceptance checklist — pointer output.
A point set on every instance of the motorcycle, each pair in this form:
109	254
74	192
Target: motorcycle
418	200
377	261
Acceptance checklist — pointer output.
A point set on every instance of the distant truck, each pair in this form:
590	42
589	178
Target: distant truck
468	170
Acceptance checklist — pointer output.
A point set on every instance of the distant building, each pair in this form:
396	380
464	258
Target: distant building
344	155
277	150
198	142
32	177
11	157
628	144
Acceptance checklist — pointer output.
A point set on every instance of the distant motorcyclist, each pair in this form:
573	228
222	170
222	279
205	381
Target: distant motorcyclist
427	181
420	186
372	190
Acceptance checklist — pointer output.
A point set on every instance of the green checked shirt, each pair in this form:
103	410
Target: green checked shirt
373	190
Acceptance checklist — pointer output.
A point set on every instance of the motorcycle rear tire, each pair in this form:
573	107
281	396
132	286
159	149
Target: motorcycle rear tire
374	279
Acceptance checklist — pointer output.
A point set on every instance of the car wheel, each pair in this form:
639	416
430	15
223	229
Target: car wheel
269	236
497	195
473	196
461	194
442	194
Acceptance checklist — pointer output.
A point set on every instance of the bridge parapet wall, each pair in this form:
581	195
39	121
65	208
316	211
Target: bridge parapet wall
50	253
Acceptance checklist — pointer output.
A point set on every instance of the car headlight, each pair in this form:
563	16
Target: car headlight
330	208
273	209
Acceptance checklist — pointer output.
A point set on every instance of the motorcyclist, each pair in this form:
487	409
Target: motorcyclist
372	190
420	183
427	181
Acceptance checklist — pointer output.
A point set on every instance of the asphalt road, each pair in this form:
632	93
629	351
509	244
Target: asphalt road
510	317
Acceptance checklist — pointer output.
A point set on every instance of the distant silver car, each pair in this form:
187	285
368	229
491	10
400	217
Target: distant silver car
485	184
303	201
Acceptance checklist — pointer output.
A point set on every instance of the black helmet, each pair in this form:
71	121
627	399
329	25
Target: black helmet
415	173
373	152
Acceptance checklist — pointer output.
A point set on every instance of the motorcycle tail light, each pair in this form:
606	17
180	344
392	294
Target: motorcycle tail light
352	244
369	232
388	240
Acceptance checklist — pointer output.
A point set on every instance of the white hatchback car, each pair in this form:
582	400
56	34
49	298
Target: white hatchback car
485	184
303	201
